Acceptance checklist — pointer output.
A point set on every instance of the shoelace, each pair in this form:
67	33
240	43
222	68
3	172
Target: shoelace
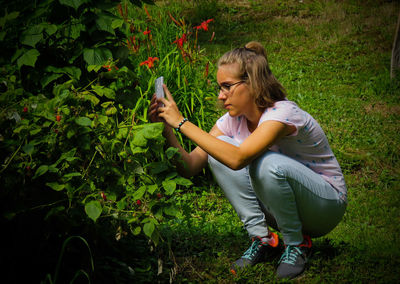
253	249
290	255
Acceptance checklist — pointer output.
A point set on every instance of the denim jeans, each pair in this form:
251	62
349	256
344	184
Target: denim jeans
278	191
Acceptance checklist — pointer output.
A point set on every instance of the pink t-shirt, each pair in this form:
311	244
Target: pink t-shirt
308	144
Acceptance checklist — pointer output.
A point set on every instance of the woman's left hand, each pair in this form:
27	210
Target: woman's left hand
169	112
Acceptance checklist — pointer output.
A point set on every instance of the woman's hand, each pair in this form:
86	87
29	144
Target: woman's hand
153	111
169	112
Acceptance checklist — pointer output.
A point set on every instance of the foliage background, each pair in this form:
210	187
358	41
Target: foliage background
332	56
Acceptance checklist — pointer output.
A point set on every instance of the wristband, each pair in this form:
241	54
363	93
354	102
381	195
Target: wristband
178	129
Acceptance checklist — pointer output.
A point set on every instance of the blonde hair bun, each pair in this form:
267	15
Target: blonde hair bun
257	47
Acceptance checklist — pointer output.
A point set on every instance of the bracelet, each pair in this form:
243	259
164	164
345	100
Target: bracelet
178	129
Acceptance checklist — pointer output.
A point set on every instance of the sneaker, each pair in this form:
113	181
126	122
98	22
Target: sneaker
293	260
256	253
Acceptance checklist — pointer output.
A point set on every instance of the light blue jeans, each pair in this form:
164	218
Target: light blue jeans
275	190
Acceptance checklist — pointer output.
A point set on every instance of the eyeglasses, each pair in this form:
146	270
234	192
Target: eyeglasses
226	87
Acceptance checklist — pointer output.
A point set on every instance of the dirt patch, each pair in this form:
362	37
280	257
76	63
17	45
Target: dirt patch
383	109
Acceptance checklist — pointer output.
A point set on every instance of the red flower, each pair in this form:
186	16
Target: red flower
147	31
103	196
149	62
138	202
181	40
108	67
204	25
58	117
25	109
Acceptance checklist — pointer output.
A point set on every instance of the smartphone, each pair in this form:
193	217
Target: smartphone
159	87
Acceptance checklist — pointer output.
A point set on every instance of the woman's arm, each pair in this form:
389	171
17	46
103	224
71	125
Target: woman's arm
193	162
235	157
190	163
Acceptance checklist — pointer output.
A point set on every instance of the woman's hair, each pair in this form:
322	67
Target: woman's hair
253	67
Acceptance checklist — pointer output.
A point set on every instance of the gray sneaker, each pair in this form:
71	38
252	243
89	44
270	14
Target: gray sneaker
293	260
256	253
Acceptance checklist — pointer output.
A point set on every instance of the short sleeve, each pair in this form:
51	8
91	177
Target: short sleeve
286	112
223	124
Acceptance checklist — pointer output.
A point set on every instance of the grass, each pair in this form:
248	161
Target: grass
334	59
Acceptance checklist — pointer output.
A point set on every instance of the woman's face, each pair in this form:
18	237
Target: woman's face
235	93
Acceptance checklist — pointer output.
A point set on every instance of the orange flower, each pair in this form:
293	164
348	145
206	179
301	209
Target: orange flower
204	25
181	40
149	62
147	31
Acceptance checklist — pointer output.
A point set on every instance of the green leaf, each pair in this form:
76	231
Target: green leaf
75	30
102	119
183	181
152	188
65	110
137	150
35	131
121	204
158	167
49	28
17	54
93	209
103	91
53	169
171	210
8	17
171	151
93	99
49	78
29	58
111	110
96	56
28	148
117	23
95	68
153	130
139	193
122	132
32	35
148	229
106	104
138	139
71	175
169	186
72	71
83	121
56	186
40	171
104	23
73	3
136	231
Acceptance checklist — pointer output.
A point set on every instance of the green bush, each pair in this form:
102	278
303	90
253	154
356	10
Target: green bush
76	82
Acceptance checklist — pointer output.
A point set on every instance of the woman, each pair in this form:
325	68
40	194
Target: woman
271	159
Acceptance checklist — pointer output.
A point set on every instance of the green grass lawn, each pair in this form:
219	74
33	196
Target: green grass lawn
334	59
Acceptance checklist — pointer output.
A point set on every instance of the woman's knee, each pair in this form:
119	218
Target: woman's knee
266	171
